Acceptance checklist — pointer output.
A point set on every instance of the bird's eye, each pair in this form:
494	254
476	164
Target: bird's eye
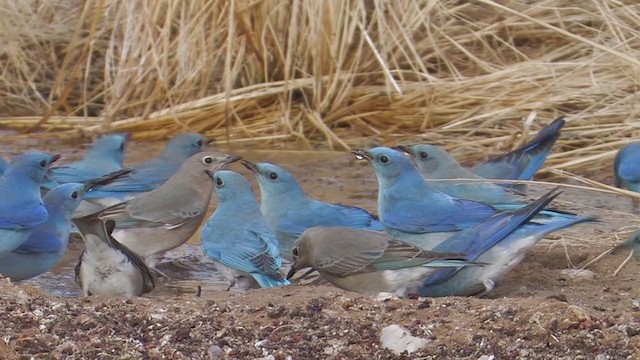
199	142
384	159
43	163
122	146
273	176
207	159
423	155
74	195
219	182
295	251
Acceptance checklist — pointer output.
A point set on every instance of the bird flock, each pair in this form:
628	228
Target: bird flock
441	229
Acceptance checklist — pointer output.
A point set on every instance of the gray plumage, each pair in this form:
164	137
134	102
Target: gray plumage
165	218
106	267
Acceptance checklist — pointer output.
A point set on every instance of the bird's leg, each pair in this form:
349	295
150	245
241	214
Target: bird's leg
160	273
231	284
182	265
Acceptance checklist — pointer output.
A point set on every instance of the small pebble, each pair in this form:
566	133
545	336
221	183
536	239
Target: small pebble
215	352
577	275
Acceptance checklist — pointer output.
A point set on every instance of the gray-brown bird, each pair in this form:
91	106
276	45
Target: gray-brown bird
368	262
106	267
165	218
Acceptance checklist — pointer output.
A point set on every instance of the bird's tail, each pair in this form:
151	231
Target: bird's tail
532	155
269	282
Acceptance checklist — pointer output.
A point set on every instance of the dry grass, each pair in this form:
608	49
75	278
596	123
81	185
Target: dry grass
461	74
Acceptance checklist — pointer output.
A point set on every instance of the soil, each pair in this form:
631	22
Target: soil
535	313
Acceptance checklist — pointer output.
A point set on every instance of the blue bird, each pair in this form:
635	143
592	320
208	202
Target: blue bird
21	209
48	242
238	238
523	162
411	210
105	156
435	164
148	175
500	243
626	167
290	211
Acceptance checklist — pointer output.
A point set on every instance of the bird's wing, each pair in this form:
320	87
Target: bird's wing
253	250
27	217
318	213
140	179
40	242
419	217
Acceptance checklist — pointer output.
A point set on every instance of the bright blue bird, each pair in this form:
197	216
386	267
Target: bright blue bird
21	208
290	211
105	156
626	167
238	238
500	243
412	210
523	162
148	175
48	242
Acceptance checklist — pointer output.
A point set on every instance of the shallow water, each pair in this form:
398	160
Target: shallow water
330	176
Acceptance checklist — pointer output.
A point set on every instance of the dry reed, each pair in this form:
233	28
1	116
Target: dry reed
461	74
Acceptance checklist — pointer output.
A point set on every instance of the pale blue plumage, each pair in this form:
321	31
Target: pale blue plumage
412	210
149	175
47	243
626	167
21	208
238	236
523	162
435	164
105	156
290	211
500	243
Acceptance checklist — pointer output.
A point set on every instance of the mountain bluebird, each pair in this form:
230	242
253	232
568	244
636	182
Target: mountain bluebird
435	163
106	267
411	210
48	242
21	209
105	156
500	242
368	262
523	162
290	211
162	219
145	176
626	167
238	238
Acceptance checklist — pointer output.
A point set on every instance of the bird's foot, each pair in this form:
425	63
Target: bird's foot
488	287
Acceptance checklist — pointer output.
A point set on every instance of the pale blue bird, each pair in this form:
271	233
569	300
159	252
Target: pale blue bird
290	211
626	167
238	238
436	164
500	243
21	208
523	162
412	210
148	175
103	157
48	242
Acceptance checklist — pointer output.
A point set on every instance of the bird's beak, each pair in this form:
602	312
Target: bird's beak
362	154
292	270
209	173
251	166
403	148
232	158
210	142
55	158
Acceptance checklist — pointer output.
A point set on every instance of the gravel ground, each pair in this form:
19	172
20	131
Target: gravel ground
535	314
